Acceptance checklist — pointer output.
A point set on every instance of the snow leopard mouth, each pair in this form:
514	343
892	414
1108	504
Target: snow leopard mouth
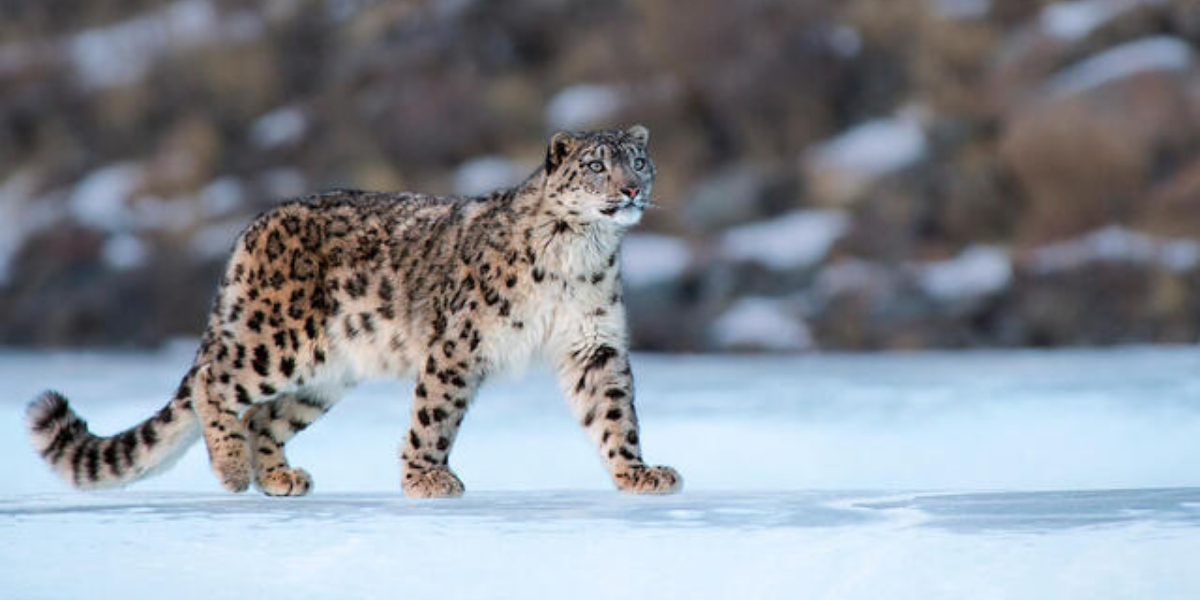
638	203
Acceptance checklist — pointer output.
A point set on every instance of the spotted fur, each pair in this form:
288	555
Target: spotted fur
327	290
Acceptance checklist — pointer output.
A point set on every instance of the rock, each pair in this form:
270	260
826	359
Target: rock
1106	303
739	193
1065	32
1173	206
1087	146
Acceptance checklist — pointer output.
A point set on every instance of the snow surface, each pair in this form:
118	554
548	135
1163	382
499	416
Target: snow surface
1028	474
797	239
1157	53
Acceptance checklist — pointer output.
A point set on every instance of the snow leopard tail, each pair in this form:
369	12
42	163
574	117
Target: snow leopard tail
91	462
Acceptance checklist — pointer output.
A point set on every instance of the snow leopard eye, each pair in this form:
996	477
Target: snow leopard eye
639	163
596	166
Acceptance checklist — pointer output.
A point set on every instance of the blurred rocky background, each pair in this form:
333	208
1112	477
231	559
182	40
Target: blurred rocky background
854	174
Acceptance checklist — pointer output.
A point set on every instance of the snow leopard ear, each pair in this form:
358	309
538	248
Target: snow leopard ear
561	146
639	133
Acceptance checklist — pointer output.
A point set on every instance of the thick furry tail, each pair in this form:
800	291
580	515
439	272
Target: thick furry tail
90	462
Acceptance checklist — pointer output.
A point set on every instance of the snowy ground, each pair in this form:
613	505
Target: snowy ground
970	475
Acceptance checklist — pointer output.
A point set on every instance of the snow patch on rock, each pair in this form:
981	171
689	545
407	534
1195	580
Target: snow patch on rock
281	127
484	174
100	198
124	252
17	217
1069	21
1120	245
961	10
977	271
123	53
844	40
222	195
583	105
648	258
851	275
842	167
283	182
798	239
1150	54
755	323
215	241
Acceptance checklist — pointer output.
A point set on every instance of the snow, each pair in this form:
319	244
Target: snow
976	271
650	258
222	195
844	40
100	198
1068	21
798	239
846	164
215	240
582	106
156	214
19	218
1028	474
876	146
761	324
281	127
484	174
1150	54
283	182
1117	244
961	9
124	52
124	252
848	275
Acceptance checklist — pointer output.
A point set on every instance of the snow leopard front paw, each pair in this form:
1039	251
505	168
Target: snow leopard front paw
285	482
436	482
641	479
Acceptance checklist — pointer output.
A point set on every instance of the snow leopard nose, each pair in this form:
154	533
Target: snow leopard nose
630	191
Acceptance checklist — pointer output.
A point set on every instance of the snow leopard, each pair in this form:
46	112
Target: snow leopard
323	291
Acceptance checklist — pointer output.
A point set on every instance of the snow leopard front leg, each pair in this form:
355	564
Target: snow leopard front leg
444	390
599	383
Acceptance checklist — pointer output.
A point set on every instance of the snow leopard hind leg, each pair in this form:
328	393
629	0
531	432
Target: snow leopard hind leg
270	425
